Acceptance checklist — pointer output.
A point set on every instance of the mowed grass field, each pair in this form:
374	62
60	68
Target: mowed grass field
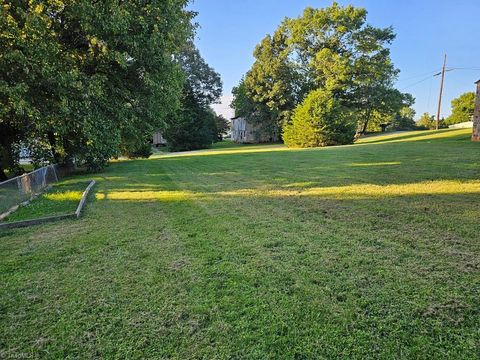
369	251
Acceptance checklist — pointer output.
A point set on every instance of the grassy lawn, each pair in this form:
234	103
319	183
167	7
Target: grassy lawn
62	198
253	252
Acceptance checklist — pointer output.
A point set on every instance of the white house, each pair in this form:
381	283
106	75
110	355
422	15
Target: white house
244	131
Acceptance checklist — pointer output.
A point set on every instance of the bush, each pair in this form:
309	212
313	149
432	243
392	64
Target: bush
320	120
142	151
428	122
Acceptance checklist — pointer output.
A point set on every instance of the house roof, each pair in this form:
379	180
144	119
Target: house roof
478	81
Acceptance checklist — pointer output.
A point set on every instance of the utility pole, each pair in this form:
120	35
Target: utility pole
441	91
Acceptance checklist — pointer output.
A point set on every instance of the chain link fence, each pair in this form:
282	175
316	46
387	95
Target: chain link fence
22	188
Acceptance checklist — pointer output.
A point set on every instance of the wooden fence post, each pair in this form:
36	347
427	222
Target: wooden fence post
476	115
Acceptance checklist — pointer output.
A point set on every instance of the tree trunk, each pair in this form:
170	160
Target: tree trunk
53	146
3	176
364	125
6	159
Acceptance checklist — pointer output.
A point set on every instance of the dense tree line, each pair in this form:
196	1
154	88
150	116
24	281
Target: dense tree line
462	111
194	124
82	81
321	78
462	108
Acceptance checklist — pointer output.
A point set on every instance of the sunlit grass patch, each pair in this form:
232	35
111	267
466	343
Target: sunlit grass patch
147	195
386	163
362	191
61	198
64	196
237	149
301	189
415	135
358	191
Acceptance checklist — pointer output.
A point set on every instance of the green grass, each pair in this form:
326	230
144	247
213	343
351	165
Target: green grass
218	146
253	252
62	198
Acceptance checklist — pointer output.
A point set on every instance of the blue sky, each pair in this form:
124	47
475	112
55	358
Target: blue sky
426	29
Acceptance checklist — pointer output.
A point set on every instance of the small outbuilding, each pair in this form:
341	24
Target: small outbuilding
159	140
243	131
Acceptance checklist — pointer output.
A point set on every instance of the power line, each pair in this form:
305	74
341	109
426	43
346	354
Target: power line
417	76
418	82
464	68
433	74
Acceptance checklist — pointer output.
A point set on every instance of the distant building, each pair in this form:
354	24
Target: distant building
245	132
476	115
159	140
462	125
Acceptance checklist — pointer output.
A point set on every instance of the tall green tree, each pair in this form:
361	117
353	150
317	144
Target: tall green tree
193	126
273	84
29	77
242	103
462	108
222	126
88	78
331	49
404	119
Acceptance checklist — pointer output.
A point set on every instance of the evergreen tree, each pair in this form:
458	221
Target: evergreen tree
320	120
193	126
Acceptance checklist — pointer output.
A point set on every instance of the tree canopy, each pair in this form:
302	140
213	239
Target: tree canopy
426	121
333	50
83	81
462	108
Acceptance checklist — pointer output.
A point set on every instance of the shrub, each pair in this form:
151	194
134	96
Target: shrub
428	122
320	120
142	151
